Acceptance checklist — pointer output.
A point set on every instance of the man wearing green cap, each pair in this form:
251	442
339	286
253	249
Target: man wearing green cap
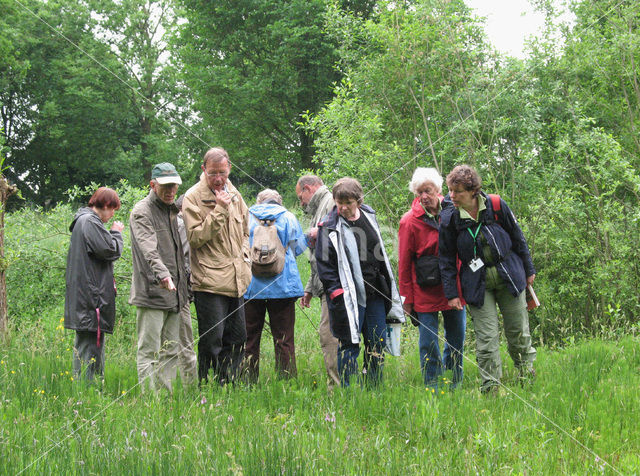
159	283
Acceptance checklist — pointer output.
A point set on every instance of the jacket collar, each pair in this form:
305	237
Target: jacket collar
417	210
317	199
153	197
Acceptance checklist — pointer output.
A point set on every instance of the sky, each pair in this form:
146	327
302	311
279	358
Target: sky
509	23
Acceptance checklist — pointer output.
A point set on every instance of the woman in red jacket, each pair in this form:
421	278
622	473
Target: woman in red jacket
419	279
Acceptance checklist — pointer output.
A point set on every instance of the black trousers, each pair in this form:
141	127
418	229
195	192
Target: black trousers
223	335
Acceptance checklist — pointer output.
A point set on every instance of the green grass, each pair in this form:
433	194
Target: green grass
50	424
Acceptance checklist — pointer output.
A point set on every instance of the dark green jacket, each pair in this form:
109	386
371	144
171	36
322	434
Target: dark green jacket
157	253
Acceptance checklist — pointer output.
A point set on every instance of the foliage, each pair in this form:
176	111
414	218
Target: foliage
254	67
563	424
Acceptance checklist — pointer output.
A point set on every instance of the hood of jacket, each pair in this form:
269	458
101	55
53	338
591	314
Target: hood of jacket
267	211
316	200
81	212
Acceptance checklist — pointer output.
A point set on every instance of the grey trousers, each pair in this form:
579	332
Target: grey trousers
158	347
88	355
487	328
329	345
187	357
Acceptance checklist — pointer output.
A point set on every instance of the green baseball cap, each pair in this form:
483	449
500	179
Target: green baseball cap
165	173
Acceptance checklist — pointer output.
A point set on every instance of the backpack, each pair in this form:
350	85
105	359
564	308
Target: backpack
267	253
495	204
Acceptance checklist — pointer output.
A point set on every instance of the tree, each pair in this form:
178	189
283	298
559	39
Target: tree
65	118
6	190
255	66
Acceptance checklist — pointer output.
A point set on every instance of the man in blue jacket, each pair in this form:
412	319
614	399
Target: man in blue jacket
275	294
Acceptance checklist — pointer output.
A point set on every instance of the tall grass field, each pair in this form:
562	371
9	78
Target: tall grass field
580	416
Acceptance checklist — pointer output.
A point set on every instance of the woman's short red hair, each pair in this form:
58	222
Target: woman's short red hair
105	197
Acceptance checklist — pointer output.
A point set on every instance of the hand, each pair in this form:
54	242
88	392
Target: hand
117	226
222	198
456	304
407	307
530	279
312	234
167	283
306	300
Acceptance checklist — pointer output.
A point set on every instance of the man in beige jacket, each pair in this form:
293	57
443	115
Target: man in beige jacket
216	219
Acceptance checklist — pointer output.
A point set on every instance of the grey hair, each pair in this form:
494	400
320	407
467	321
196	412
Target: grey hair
215	155
310	180
269	195
422	175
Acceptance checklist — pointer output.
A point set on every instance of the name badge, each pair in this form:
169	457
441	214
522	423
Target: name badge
475	264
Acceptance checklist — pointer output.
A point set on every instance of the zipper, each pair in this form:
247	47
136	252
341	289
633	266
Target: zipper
500	254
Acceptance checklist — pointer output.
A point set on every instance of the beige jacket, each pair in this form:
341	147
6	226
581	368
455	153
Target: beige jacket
219	240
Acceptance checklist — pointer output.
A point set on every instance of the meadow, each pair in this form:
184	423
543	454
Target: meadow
578	417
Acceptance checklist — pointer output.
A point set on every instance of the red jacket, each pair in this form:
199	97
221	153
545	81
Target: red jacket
417	238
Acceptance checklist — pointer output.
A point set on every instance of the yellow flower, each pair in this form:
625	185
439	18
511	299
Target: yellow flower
442	392
13	371
62	319
41	391
123	392
2	362
71	378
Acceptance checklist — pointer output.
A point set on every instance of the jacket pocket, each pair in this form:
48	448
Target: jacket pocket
338	318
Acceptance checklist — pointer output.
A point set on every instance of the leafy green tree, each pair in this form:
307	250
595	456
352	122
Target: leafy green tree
254	67
408	71
65	118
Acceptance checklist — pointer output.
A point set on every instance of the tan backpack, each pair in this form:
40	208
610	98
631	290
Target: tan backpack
267	253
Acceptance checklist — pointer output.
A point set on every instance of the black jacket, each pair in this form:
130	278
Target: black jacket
508	246
89	273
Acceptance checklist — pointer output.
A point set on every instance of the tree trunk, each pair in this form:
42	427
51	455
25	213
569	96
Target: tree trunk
6	191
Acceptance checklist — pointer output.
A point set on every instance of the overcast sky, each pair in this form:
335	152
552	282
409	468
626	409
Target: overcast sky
509	23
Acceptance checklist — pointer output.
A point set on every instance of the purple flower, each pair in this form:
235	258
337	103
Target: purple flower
330	417
203	400
143	433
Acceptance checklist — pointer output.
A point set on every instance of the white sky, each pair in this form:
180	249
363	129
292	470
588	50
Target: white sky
508	23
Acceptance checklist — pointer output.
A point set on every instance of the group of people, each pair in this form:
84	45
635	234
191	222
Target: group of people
463	249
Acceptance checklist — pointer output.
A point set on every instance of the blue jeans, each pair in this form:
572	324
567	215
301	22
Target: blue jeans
431	362
373	326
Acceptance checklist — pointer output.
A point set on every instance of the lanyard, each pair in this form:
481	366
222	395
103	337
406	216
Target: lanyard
474	235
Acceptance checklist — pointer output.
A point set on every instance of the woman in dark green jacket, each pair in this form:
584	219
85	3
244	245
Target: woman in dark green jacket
90	301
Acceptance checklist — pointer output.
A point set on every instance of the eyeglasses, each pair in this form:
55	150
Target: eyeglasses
217	174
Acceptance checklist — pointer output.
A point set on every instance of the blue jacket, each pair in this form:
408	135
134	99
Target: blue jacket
509	251
287	284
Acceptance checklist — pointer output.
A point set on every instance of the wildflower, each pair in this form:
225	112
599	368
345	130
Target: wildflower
41	391
364	371
93	359
442	392
203	400
2	362
143	433
295	432
123	392
71	378
330	417
230	418
62	319
13	371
